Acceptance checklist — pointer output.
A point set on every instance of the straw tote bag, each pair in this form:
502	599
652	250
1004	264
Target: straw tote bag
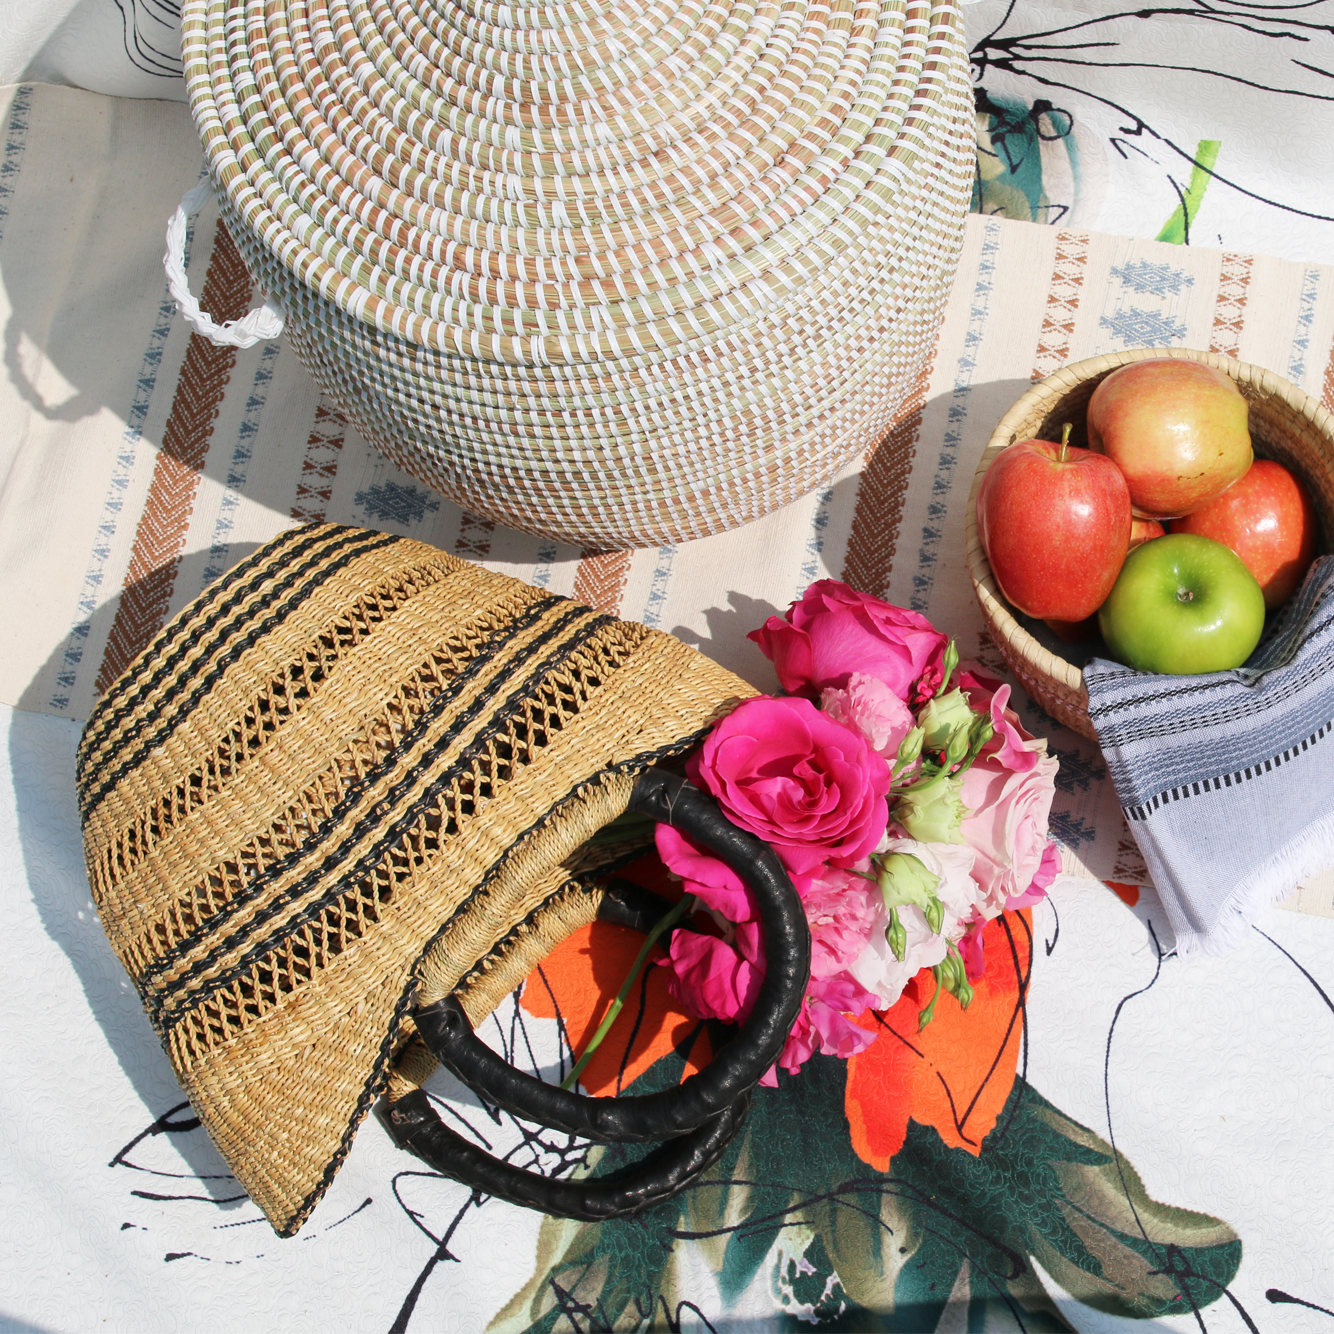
615	273
342	805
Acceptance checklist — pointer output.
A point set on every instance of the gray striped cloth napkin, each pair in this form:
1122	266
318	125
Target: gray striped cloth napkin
1227	779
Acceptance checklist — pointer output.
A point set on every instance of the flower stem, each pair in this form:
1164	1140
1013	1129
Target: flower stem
667	920
929	1010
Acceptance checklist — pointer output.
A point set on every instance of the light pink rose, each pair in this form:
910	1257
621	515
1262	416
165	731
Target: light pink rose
794	777
1007	824
1048	870
1016	747
834	631
869	706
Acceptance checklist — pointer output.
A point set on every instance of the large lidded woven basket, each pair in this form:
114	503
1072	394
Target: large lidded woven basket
1286	424
619	274
354	776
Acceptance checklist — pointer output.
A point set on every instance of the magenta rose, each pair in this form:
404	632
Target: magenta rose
791	775
834	631
823	1025
714	883
711	979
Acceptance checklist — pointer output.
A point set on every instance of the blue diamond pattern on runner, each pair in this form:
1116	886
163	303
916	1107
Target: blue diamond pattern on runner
1072	830
395	502
1143	328
1143	275
1077	770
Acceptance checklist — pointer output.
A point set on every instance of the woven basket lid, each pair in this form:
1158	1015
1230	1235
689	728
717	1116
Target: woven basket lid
354	765
699	243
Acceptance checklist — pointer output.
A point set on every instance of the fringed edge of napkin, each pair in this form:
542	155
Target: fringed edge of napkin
1299	859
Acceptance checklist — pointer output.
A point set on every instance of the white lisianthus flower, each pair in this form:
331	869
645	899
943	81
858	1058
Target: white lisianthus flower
884	976
876	968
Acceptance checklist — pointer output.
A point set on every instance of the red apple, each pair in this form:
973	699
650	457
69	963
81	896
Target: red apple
1055	524
1177	429
1268	520
1074	632
1145	530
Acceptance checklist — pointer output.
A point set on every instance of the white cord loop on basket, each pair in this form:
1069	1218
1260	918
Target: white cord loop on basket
263	322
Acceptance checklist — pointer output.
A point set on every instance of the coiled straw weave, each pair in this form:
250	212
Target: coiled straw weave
619	274
357	771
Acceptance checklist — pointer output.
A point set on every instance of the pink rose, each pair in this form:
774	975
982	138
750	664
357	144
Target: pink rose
869	706
710	978
1048	869
971	949
715	884
1017	749
823	1025
834	631
794	777
1007	824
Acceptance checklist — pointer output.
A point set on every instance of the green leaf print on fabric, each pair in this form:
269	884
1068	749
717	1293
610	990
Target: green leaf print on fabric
1019	148
798	1230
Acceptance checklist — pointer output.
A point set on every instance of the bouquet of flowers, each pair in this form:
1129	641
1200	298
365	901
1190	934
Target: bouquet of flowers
902	795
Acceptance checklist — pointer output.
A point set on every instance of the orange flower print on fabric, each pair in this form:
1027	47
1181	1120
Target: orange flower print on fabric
578	980
957	1073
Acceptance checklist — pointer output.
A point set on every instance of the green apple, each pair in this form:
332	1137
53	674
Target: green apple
1183	604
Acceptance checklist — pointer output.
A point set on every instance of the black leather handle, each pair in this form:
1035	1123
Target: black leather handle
414	1125
734	1069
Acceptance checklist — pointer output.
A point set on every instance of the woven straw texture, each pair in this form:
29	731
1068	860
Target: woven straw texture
1286	424
356	768
616	274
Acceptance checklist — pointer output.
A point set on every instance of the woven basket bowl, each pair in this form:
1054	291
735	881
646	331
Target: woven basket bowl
1286	425
612	273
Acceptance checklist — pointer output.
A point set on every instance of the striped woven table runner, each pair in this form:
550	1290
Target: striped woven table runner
141	462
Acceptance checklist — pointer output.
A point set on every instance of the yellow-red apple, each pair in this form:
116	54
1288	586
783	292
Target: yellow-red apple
1177	430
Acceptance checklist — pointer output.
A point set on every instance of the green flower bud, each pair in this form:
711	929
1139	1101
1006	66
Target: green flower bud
909	749
961	744
948	664
935	914
983	730
933	812
945	718
896	936
929	1009
955	977
904	879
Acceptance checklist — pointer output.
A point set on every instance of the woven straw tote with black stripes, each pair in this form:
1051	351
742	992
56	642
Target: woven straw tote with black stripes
342	805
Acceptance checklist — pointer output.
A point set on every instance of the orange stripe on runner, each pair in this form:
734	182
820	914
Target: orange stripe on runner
599	582
881	490
1230	307
1063	295
159	539
319	467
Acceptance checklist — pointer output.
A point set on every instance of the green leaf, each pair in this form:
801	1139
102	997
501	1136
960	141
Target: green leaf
885	1251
